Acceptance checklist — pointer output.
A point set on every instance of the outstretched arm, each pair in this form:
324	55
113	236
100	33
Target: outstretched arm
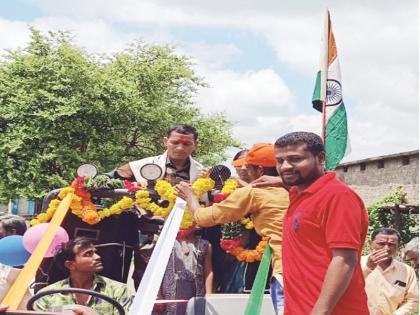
233	208
269	181
336	281
185	191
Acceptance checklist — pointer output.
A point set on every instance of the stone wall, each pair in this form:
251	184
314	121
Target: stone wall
377	177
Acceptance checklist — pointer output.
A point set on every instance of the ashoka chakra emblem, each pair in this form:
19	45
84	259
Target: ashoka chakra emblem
334	95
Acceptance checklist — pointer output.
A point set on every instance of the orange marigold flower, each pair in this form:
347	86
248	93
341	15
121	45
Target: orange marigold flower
91	217
241	256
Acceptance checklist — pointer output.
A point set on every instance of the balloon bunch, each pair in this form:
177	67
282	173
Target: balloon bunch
15	250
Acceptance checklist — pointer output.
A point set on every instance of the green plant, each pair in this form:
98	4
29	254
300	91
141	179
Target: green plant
379	218
61	107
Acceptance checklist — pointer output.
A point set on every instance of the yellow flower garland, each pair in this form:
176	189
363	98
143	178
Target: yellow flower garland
167	192
229	187
247	223
87	211
84	209
48	214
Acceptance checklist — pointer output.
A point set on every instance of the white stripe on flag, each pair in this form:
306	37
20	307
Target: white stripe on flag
153	275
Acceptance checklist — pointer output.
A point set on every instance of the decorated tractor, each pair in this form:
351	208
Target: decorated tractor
118	216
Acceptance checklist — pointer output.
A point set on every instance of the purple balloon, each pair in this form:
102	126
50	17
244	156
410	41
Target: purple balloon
33	236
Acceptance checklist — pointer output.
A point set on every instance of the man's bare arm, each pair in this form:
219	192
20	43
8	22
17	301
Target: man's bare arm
268	181
125	171
336	281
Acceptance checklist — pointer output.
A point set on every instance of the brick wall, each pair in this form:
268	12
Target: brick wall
382	176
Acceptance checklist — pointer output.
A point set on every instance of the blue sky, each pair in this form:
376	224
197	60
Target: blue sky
260	58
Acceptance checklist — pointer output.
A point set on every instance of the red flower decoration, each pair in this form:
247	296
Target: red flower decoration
131	186
229	245
220	197
78	185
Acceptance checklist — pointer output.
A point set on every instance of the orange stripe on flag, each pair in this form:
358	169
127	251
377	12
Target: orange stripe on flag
332	48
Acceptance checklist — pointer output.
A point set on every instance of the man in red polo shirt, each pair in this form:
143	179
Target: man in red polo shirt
323	233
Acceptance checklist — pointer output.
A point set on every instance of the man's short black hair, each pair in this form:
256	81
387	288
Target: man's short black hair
385	231
66	250
313	142
240	153
13	222
184	129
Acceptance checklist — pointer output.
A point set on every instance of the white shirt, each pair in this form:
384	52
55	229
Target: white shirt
160	160
391	291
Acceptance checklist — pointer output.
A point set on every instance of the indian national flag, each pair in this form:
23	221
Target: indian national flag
328	90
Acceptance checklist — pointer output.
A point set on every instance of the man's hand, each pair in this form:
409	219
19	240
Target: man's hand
204	173
185	191
3	307
376	257
268	181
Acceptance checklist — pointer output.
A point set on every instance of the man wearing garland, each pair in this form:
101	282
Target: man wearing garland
176	163
267	207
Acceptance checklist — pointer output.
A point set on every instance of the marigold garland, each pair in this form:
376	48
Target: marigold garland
82	206
167	192
232	239
247	223
229	186
234	247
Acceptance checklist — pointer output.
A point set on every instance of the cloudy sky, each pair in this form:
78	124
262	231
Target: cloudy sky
260	57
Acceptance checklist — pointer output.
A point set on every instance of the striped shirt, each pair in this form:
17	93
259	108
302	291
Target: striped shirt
114	289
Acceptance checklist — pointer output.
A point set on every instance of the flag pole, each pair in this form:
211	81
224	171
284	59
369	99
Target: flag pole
324	71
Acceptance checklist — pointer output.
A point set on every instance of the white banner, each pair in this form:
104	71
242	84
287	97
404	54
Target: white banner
149	286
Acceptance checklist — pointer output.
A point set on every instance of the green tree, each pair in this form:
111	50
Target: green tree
61	107
379	218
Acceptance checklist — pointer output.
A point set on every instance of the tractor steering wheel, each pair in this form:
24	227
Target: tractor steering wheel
118	306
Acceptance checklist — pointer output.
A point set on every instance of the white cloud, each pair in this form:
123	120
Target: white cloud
94	34
377	43
18	29
246	96
209	56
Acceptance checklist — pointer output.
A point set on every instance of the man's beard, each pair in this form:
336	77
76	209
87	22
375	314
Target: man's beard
298	180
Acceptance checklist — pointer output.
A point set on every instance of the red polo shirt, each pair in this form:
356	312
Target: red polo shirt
327	215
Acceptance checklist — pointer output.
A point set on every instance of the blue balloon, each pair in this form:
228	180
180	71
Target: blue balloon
12	252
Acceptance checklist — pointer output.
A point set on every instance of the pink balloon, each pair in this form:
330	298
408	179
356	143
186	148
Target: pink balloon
33	236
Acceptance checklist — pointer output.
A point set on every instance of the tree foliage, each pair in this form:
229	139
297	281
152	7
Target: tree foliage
379	218
61	107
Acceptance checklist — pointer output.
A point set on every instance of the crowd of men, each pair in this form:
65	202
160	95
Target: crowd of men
316	224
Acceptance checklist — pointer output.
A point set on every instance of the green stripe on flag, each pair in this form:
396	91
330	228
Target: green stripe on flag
336	137
257	293
316	96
